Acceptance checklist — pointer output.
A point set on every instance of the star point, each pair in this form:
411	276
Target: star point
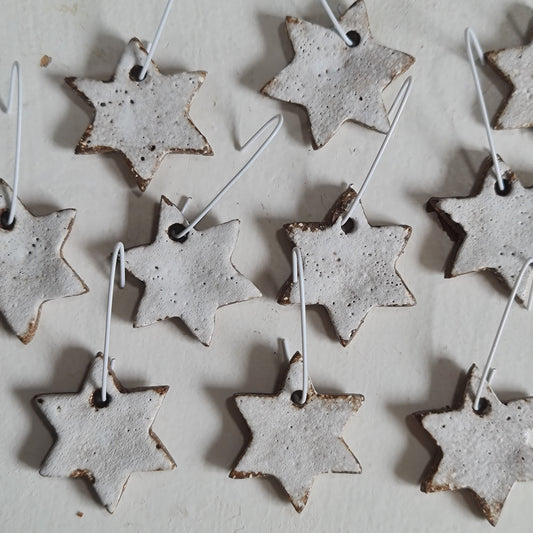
336	83
143	120
295	443
104	444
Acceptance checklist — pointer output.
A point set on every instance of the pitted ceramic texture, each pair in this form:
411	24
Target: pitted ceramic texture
104	445
348	273
515	66
485	452
495	231
32	267
336	82
188	280
144	120
295	443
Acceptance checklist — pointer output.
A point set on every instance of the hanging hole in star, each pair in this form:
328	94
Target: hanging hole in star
96	399
175	230
135	72
484	407
507	186
4	219
296	398
355	37
349	226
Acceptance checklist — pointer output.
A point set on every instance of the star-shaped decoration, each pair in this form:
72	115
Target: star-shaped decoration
190	279
515	66
485	451
32	267
336	82
104	444
348	269
293	442
492	230
143	120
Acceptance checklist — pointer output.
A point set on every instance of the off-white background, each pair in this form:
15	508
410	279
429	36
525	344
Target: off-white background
402	360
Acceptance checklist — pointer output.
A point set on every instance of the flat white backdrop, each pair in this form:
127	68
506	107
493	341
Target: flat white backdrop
402	360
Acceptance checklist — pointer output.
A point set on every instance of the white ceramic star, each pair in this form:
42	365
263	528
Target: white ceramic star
348	272
292	442
143	120
104	444
493	232
32	267
335	82
485	452
189	279
515	66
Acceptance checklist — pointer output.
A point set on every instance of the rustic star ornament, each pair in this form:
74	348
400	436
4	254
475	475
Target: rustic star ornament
335	82
104	444
190	279
32	267
143	120
486	451
492	230
514	65
293	442
348	269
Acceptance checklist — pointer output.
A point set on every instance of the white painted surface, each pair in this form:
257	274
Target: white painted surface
402	360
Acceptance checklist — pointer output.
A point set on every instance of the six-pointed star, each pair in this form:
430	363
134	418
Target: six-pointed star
189	279
515	66
485	452
143	120
348	270
104	445
492	231
336	82
32	267
292	442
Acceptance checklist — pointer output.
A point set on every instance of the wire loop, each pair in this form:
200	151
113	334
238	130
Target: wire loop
250	162
396	111
117	252
488	371
152	46
335	23
16	76
298	277
472	42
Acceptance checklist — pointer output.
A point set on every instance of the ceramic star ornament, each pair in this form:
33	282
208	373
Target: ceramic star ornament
32	267
293	442
350	268
484	451
104	443
514	65
492	230
143	120
189	277
335	82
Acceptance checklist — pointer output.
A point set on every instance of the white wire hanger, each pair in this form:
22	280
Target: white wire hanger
279	122
16	77
152	46
396	111
488	371
336	24
117	252
298	277
471	43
